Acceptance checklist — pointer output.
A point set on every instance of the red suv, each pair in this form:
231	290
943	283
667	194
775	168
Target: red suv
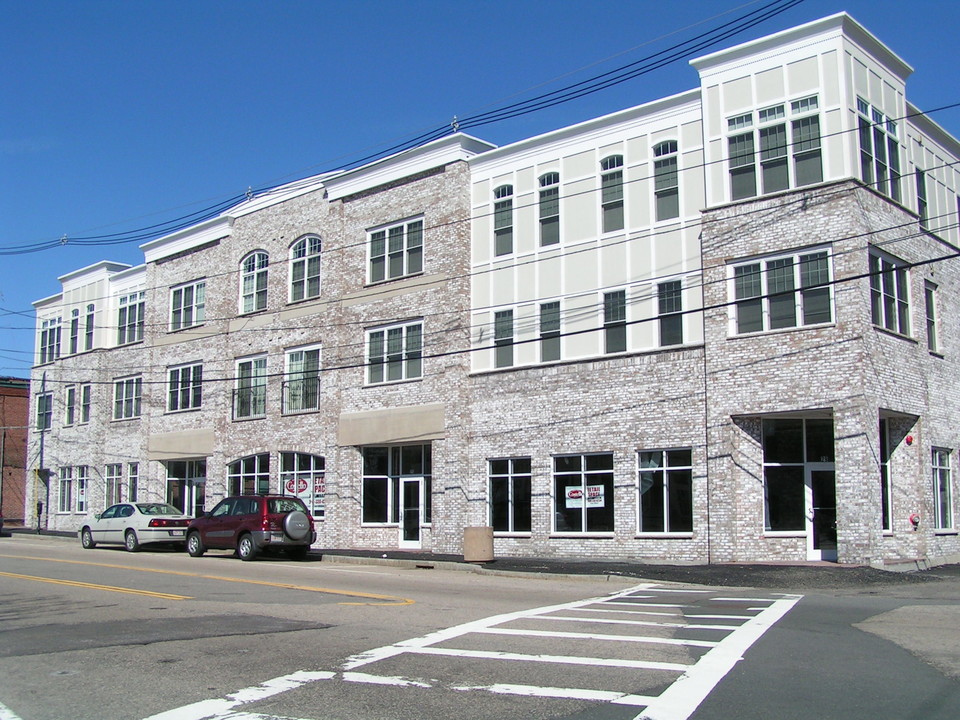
251	524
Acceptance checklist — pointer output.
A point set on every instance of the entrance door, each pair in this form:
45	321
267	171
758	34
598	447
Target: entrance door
410	512
821	506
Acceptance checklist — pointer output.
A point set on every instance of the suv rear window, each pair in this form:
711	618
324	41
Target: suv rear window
285	505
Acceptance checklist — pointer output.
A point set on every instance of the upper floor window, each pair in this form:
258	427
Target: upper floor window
250	394
70	405
185	390
549	331
670	302
615	321
933	323
88	328
85	392
187	305
503	338
889	293
253	282
782	292
44	411
130	318
396	251
879	150
776	150
611	192
922	198
666	184
549	208
305	268
301	389
49	339
74	331
395	353
503	220
126	398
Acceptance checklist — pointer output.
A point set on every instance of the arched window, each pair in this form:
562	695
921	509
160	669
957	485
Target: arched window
666	185
253	282
249	475
305	268
503	220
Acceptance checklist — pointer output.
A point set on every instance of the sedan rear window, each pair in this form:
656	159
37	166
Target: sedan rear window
157	509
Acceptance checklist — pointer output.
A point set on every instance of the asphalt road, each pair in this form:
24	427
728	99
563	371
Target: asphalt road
109	635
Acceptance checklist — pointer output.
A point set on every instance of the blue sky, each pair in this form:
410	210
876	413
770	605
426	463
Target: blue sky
118	115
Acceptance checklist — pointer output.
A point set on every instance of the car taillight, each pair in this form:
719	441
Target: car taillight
166	522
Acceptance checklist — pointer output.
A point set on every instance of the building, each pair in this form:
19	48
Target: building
14	415
704	329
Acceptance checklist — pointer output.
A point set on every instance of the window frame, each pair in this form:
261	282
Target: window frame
396	467
250	388
932	316
50	333
130	314
86	400
188	313
503	220
550	325
81	488
185	387
548	208
615	321
89	327
880	170
757	289
886	482
292	468
402	250
504	336
611	193
511	474
666	180
64	490
127	397
670	471
670	312
44	409
941	462
384	355
305	253
73	344
70	405
301	383
585	474
249	475
254	275
890	292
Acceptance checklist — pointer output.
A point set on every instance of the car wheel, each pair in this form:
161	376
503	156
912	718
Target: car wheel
130	541
86	539
246	548
296	525
298	553
195	545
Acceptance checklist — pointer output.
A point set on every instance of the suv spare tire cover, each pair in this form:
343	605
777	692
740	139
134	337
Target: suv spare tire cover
296	525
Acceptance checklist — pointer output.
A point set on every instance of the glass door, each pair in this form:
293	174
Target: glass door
821	502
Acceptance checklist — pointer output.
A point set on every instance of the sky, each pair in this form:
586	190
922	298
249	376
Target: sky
121	115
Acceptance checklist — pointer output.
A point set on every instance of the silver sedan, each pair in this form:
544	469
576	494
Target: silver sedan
133	525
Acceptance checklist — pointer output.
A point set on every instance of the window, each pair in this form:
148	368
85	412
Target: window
126	398
615	321
85	391
767	297
503	338
130	318
611	193
889	293
44	411
886	492
879	150
83	483
303	475
250	394
187	304
776	171
396	251
583	493
670	300
788	445
550	208
549	331
305	269
65	490
301	390
88	328
49	340
133	481
942	490
249	475
383	468
70	405
253	282
74	332
395	353
666	491
185	391
922	198
930	304
503	220
510	493
113	484
666	185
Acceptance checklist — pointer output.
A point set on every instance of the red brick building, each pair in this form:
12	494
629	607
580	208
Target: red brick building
14	414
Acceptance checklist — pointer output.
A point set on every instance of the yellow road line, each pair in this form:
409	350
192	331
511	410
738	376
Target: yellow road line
388	600
92	586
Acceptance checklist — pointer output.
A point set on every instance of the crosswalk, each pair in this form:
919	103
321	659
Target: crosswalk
655	649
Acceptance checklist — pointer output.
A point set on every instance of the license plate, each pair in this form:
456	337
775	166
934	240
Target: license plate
176	533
